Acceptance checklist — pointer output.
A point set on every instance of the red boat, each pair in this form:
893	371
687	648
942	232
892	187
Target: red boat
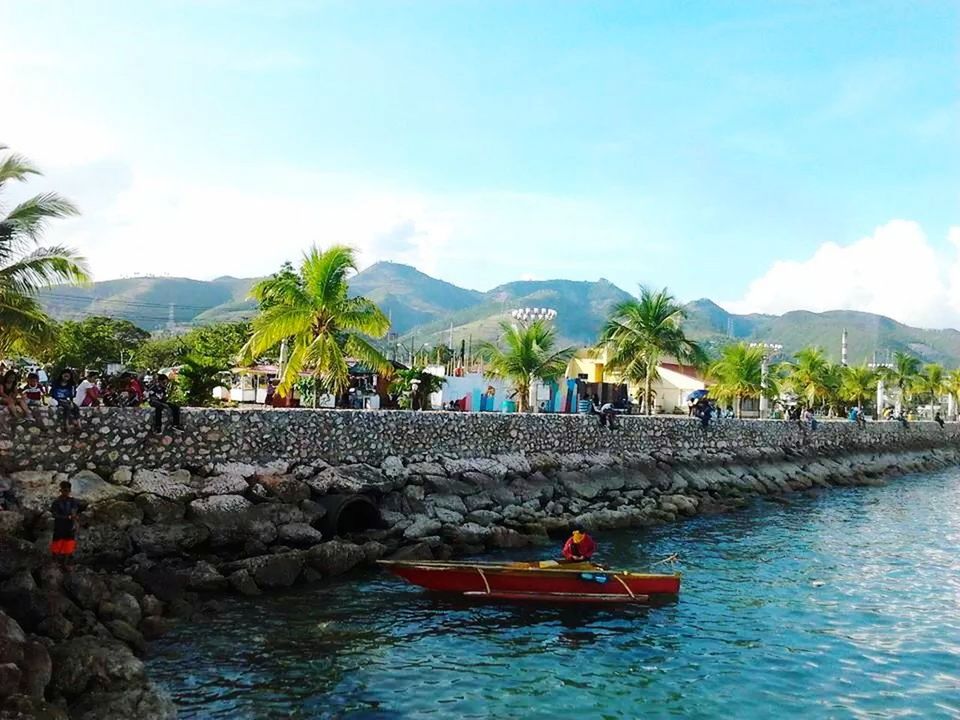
542	581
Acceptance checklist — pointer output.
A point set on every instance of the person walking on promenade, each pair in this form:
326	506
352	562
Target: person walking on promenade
65	509
158	396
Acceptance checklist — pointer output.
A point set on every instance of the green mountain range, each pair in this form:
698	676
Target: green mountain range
427	311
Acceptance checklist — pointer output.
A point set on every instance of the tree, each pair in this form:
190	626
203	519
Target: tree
26	267
931	382
197	378
323	324
162	352
95	341
811	377
221	342
402	388
737	374
858	383
639	333
902	374
529	354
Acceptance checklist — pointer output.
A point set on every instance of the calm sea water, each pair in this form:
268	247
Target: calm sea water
845	604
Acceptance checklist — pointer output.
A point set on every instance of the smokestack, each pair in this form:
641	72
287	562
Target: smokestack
843	348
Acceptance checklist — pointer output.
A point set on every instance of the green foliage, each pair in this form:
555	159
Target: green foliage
638	334
529	354
323	324
95	341
162	352
25	266
738	374
857	384
903	374
930	383
221	342
811	377
197	378
401	388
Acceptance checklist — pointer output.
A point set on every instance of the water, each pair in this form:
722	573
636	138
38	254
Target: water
845	604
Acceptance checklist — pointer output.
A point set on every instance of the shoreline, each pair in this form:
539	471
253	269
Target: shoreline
74	638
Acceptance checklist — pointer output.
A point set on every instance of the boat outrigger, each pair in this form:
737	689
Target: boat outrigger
543	581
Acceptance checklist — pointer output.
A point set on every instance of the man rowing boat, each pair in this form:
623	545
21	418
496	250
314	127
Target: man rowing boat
579	546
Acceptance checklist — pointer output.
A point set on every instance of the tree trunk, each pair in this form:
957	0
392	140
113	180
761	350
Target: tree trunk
316	393
739	408
647	403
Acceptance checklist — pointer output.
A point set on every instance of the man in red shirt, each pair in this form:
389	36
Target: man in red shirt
579	546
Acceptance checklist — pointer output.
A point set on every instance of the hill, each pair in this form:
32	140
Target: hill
423	310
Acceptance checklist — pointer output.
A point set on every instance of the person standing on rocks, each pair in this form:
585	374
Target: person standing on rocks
65	511
579	547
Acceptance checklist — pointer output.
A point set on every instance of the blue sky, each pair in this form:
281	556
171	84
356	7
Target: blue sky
769	155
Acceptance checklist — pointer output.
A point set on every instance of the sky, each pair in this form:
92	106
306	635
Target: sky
770	155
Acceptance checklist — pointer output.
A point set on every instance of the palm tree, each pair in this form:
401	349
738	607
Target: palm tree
903	374
26	267
952	388
857	383
737	374
639	333
324	325
931	381
811	376
529	355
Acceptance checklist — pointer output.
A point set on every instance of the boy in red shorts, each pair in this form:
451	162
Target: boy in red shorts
65	510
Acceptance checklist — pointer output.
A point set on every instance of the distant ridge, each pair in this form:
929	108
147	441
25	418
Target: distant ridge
423	309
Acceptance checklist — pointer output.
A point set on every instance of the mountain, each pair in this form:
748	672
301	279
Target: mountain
424	310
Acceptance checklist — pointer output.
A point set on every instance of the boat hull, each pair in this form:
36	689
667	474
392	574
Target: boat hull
527	581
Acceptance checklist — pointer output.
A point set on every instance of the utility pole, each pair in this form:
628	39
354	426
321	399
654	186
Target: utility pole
843	348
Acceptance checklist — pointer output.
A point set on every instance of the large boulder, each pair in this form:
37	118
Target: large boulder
536	486
286	488
224	485
24	707
17	555
170	486
86	588
10	676
352	479
163	540
299	534
12	640
466	534
421	527
103	543
447	502
335	557
160	510
122	606
487	466
88	487
35	489
117	513
204	577
228	519
279	513
11	522
448	486
89	662
37	669
142	701
270	571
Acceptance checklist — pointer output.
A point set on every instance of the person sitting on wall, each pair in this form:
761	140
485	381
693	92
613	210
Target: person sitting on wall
579	547
938	420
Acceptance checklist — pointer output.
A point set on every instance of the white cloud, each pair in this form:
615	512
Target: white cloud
896	272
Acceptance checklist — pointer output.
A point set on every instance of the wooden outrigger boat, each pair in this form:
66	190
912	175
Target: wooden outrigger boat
544	581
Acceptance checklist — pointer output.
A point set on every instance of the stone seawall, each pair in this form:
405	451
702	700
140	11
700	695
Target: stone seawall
115	437
247	501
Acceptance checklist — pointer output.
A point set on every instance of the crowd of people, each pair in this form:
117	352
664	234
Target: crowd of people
26	395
